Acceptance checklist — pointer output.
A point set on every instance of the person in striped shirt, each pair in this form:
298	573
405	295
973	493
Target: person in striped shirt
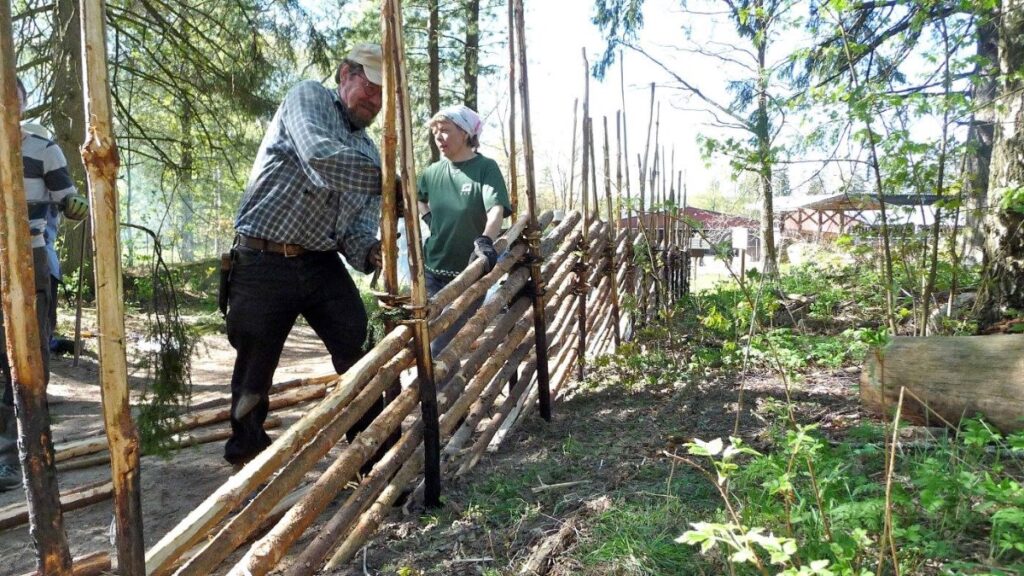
47	184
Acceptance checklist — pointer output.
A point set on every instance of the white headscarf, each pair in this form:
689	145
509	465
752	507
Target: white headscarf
463	117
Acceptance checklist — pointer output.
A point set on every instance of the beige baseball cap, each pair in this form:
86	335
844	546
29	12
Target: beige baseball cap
369	55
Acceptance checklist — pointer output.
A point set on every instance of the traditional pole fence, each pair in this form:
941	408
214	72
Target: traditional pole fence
533	233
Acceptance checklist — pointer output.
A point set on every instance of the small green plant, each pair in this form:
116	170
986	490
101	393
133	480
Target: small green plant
812	507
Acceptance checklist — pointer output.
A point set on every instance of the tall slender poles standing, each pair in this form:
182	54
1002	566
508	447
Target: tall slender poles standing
22	330
568	202
513	167
394	65
613	233
101	163
582	265
533	232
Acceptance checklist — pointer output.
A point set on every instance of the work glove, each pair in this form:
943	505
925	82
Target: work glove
483	247
75	207
374	260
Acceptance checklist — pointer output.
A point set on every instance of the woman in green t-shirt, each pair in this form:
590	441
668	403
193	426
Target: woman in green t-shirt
463	199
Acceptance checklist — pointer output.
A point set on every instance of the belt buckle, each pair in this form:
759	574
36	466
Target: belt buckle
285	249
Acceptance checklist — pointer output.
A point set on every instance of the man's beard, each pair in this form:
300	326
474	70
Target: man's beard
357	122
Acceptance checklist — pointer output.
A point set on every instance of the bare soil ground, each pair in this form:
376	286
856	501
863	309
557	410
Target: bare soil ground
171	487
606	440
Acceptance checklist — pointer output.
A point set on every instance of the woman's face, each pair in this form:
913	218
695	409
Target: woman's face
451	140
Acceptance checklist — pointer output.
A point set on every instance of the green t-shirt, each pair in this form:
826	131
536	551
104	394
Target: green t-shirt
459	194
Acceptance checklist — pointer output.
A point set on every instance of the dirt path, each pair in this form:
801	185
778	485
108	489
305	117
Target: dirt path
172	487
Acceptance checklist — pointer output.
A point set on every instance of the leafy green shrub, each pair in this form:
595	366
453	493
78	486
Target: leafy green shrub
817	507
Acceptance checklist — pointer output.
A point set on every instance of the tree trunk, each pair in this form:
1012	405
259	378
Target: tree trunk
471	67
67	114
764	150
434	65
982	128
1003	280
186	240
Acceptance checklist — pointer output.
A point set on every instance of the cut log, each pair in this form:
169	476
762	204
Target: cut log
93	564
954	376
181	441
291	397
17	514
199	522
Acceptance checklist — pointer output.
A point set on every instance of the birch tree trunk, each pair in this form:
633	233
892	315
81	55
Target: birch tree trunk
1003	281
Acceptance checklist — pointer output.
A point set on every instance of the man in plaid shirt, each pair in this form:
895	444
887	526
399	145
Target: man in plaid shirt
314	192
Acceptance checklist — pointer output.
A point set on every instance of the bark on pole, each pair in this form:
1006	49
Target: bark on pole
513	172
567	202
394	63
582	265
534	232
17	274
99	154
613	232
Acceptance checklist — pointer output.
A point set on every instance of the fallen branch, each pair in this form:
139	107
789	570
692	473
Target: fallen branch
540	560
180	441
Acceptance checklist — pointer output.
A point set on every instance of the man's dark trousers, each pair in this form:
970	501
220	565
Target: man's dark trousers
8	426
269	291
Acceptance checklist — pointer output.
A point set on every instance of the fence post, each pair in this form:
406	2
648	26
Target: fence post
533	233
100	156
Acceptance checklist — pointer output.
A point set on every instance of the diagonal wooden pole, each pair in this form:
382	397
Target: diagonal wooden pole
394	63
28	373
101	163
533	233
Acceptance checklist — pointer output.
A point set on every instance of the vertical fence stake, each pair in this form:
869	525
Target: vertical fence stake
513	171
613	234
46	523
533	234
99	154
394	64
582	265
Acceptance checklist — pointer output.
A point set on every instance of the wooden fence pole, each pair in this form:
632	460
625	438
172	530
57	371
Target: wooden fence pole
572	162
534	232
613	231
99	154
582	264
394	63
28	374
513	172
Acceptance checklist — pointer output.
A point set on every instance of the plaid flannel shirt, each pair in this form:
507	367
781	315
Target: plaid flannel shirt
316	181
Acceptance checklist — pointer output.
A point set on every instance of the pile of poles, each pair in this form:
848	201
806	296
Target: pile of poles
557	299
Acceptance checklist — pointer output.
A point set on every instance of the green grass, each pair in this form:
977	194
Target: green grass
637	536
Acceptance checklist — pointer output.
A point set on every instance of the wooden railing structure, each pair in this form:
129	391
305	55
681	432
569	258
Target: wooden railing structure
475	405
566	291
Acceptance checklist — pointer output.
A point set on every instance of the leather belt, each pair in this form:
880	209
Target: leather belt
287	250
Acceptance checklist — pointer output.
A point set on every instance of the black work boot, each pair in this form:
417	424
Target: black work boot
10	471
